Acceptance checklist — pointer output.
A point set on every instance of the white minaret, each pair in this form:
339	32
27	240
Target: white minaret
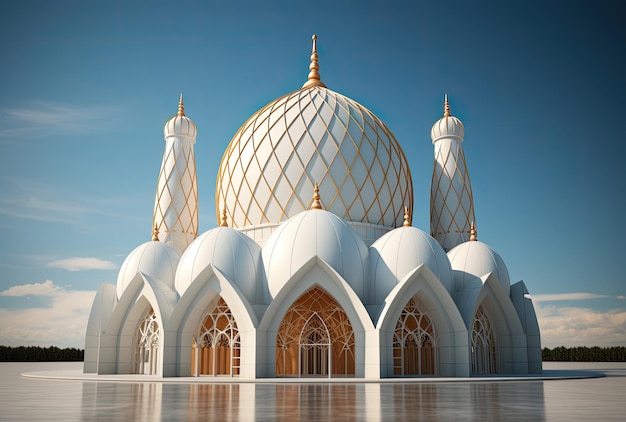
175	219
451	200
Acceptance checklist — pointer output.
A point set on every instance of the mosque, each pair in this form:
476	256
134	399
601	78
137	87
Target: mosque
315	269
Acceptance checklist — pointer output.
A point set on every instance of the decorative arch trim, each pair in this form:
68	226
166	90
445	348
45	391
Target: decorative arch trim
208	285
443	313
317	273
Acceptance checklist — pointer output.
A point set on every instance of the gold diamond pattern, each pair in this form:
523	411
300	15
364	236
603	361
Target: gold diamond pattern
176	203
451	200
314	135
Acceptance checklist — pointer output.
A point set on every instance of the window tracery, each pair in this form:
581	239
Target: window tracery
414	343
147	345
483	344
218	350
315	337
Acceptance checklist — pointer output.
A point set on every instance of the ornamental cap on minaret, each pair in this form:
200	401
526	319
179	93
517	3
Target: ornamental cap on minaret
314	67
448	126
317	204
407	217
473	233
181	106
180	125
155	233
224	222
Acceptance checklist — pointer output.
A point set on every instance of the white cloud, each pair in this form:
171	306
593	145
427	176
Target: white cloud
61	323
39	201
82	264
47	288
571	296
40	118
578	326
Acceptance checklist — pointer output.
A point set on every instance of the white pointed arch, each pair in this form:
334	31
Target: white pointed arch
203	292
511	349
421	283
317	273
103	304
528	318
117	344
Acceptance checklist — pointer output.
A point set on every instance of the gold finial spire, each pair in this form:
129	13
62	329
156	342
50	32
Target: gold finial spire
407	217
181	106
317	204
314	67
446	107
224	223
155	233
473	232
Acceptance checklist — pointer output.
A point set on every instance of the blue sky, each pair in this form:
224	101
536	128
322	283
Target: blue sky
86	88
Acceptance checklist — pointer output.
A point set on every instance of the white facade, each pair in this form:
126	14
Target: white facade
332	282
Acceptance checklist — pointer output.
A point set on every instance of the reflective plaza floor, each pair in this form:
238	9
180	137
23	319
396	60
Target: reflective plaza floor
37	399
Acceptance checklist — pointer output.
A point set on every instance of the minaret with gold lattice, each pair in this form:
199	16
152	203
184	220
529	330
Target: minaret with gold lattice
451	200
176	203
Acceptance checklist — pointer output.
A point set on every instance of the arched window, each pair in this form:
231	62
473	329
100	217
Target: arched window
315	338
414	343
218	348
147	345
314	347
483	345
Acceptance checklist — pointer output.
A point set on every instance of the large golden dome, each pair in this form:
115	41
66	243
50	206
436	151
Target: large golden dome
314	135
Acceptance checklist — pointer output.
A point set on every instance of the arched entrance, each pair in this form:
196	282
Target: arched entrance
484	358
147	345
315	338
217	350
414	343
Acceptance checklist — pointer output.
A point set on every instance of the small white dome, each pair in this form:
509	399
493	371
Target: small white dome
447	127
474	259
402	250
180	125
315	233
230	251
154	259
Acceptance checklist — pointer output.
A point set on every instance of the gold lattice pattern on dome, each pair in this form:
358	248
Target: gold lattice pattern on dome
451	200
176	203
314	135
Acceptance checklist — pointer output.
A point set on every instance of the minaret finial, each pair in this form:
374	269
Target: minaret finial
155	233
224	223
407	217
317	204
473	232
314	67
446	107
181	106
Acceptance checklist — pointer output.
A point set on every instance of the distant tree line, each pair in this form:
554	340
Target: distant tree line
558	354
584	354
40	354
